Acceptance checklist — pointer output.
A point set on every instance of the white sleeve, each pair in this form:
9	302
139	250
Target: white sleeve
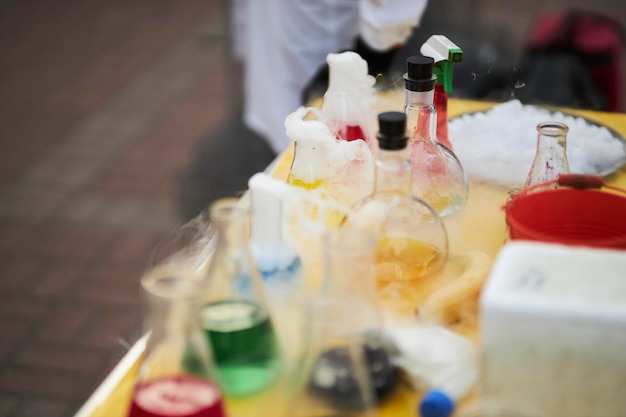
386	23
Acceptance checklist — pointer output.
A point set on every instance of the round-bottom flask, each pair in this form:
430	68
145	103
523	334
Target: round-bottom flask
438	176
412	241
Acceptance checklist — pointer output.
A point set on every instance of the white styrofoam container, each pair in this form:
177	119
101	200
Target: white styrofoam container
553	330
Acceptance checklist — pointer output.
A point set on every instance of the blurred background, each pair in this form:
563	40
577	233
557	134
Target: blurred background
121	120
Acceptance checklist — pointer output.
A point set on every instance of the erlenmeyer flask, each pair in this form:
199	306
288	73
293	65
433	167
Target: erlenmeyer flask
551	156
438	176
235	316
333	378
174	377
349	256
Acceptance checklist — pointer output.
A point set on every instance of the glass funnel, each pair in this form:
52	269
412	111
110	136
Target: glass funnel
174	377
438	176
551	155
234	315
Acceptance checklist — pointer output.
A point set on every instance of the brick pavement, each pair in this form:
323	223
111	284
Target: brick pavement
103	104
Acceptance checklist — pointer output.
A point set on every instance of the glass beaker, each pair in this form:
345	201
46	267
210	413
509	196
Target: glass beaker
551	156
174	378
235	316
333	378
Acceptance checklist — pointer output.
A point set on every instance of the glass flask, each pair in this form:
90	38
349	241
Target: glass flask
412	241
551	156
174	378
334	378
438	176
347	102
234	315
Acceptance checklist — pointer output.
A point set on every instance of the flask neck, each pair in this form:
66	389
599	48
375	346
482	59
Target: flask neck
393	171
421	115
231	224
172	302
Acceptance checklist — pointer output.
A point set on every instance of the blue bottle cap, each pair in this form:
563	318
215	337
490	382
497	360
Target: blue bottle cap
436	404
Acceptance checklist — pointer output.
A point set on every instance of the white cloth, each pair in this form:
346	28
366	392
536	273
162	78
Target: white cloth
284	43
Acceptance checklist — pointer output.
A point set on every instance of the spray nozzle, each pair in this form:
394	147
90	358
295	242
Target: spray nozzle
445	53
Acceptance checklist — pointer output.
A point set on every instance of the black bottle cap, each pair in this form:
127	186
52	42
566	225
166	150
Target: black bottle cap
419	73
392	130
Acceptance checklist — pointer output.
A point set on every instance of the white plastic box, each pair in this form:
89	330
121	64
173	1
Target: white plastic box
553	330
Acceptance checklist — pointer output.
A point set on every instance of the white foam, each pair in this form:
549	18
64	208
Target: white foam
499	145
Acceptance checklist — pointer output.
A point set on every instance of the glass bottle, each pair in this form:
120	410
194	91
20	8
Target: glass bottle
438	176
234	315
412	240
174	377
333	378
551	155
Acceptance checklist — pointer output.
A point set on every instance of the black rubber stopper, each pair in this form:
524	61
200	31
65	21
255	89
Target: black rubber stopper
419	73
392	130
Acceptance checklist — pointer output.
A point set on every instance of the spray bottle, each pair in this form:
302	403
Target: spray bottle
445	53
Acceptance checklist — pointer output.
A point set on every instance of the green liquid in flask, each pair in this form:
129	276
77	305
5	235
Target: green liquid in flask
244	344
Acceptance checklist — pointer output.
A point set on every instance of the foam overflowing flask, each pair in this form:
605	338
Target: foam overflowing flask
412	242
551	156
350	96
438	176
175	376
234	315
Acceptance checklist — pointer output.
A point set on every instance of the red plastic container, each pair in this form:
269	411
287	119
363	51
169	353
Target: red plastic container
579	215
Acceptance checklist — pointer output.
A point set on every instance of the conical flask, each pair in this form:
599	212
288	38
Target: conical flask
333	378
412	240
551	156
438	176
349	272
174	378
235	316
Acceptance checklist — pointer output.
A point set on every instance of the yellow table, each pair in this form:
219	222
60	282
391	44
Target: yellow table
480	226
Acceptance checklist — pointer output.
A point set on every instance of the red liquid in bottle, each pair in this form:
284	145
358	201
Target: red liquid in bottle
177	396
441	104
351	132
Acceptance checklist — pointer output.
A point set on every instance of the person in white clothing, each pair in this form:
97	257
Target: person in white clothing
284	43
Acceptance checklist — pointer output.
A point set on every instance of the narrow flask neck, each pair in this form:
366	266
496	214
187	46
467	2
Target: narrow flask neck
393	171
552	138
418	98
421	115
231	224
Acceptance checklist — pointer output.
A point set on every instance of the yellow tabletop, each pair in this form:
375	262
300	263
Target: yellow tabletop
480	226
